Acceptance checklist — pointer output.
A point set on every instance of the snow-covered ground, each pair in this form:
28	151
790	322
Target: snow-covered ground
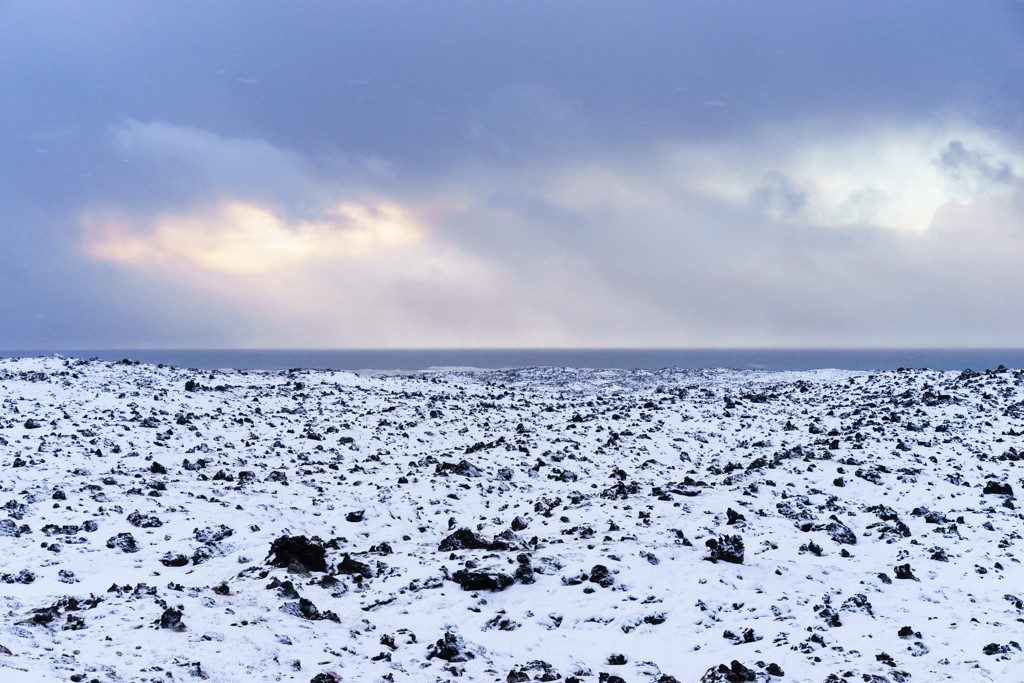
512	525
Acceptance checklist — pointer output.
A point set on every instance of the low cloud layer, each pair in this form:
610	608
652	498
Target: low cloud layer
803	236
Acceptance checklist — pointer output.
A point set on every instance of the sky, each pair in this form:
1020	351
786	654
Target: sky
511	174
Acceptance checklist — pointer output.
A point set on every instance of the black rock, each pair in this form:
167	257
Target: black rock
325	677
995	488
350	566
524	572
903	571
125	541
482	580
997	649
507	540
213	534
732	673
450	648
173	560
725	548
171	619
144	521
601	576
462	469
464	539
290	550
734	517
839	532
307	610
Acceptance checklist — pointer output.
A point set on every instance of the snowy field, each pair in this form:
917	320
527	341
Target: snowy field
162	524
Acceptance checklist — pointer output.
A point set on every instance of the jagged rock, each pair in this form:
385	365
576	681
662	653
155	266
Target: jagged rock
482	580
124	542
726	549
464	539
289	551
171	620
450	648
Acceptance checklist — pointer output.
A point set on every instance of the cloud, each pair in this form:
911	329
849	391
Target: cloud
181	164
882	174
977	171
241	238
878	235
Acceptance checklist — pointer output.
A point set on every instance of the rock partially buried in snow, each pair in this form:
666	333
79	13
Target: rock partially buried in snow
298	551
726	549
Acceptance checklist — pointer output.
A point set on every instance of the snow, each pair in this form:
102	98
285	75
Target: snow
632	470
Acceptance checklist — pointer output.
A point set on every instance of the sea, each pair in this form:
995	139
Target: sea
424	359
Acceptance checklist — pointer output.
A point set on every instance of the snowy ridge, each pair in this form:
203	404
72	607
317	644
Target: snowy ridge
538	524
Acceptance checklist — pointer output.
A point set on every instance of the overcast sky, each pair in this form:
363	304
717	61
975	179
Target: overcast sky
379	174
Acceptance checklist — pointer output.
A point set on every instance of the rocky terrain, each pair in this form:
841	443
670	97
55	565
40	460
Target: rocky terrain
163	524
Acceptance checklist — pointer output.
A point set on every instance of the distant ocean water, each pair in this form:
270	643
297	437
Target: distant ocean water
422	359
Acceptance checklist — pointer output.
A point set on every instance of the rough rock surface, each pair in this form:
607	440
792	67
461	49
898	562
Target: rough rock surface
539	524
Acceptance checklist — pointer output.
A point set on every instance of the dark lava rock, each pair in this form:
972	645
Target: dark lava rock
23	577
125	541
46	616
903	571
325	677
213	534
290	550
601	576
997	649
173	560
909	632
732	673
464	539
350	566
32	424
482	580
171	620
507	540
997	489
307	610
839	532
462	469
450	648
524	572
144	521
726	548
356	516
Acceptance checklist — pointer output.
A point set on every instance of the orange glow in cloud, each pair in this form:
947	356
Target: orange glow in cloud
243	239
